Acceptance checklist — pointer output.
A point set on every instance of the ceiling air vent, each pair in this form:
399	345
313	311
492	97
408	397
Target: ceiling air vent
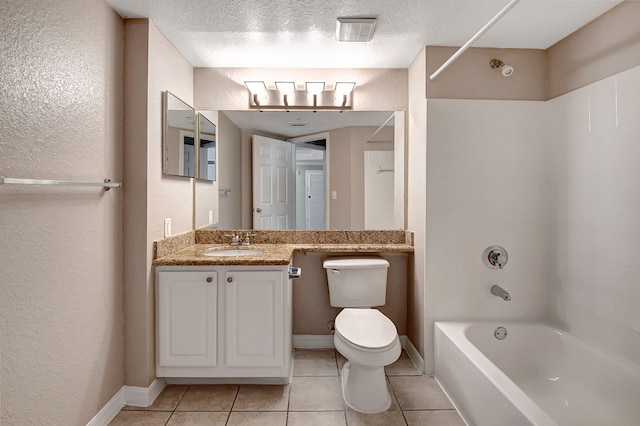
356	29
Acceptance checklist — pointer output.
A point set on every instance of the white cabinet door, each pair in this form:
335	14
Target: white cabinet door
254	308
186	318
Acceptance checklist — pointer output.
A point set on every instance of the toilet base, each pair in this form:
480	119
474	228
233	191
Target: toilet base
365	389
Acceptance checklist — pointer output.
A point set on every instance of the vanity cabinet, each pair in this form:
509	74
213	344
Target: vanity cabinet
224	322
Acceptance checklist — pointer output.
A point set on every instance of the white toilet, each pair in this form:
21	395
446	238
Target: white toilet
364	336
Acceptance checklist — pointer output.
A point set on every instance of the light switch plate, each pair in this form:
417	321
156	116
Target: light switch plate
167	227
334	195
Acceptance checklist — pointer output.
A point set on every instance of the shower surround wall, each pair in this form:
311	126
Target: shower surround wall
597	293
556	184
491	180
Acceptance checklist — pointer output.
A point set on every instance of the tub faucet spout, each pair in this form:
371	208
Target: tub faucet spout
496	290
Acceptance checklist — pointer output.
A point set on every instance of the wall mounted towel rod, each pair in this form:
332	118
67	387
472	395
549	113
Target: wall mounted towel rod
225	190
473	39
107	184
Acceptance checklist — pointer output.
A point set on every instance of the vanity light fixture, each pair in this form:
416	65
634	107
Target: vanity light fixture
287	88
343	89
256	88
286	97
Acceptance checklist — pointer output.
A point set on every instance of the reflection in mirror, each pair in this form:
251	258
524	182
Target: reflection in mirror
346	169
178	137
207	149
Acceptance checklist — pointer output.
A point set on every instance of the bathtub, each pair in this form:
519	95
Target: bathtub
537	375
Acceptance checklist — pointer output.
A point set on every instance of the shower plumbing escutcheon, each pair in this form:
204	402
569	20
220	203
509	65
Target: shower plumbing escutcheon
500	333
495	257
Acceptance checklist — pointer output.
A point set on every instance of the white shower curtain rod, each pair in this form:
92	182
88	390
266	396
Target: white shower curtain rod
473	39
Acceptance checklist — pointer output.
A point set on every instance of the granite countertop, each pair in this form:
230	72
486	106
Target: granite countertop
272	254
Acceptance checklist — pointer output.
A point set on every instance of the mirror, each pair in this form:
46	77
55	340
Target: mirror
179	155
206	149
331	152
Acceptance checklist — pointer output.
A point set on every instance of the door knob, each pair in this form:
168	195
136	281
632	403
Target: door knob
259	210
229	279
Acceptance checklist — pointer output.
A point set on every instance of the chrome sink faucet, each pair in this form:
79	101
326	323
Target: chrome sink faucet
235	239
496	290
246	240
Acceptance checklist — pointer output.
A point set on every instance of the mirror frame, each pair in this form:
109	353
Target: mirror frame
166	97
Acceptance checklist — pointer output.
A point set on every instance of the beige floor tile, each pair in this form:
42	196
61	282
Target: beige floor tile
315	394
140	418
238	418
316	418
208	398
262	398
402	367
419	393
204	418
320	362
433	418
388	418
167	400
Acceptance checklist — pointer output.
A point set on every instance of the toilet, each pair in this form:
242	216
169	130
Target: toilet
363	335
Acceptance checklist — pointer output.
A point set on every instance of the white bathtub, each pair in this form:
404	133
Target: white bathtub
538	375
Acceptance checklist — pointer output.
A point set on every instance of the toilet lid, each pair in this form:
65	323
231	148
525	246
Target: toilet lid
367	328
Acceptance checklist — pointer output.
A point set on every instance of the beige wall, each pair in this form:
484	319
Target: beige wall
416	201
471	77
605	47
311	309
153	197
61	247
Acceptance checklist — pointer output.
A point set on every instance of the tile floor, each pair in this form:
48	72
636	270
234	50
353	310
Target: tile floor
313	398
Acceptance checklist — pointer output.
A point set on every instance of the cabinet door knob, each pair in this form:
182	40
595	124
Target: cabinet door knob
209	279
229	279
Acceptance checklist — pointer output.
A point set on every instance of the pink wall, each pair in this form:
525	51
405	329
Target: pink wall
61	112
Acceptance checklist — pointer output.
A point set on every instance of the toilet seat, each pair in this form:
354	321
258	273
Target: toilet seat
366	329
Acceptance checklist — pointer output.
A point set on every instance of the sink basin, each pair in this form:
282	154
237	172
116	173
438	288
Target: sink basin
230	252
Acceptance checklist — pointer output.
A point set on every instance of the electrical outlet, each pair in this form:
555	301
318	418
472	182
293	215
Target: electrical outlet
167	227
334	195
210	217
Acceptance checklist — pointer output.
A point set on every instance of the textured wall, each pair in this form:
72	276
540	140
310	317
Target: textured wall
60	247
152	65
471	77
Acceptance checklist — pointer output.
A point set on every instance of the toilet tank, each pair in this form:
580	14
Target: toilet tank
357	282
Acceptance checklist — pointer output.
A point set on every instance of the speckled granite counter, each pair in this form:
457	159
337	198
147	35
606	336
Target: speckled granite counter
277	247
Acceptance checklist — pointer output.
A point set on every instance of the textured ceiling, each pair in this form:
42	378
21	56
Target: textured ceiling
302	33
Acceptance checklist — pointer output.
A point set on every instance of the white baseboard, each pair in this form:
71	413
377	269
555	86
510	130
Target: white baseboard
143	397
313	341
321	341
109	411
127	395
413	353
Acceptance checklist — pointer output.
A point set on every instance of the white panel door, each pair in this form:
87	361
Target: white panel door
187	312
315	199
273	184
254	330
